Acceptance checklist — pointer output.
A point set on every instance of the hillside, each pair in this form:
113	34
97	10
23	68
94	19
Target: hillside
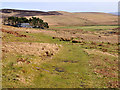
61	57
115	13
21	13
62	18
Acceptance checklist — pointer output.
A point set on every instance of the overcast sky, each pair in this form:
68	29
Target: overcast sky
63	5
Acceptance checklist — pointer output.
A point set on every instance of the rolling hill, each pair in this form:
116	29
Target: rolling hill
115	13
62	18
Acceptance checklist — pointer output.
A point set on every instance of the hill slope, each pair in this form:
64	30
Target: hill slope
115	13
66	18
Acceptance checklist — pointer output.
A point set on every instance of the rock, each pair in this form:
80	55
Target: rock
76	41
59	69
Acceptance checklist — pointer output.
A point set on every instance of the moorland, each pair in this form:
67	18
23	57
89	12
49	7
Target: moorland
78	50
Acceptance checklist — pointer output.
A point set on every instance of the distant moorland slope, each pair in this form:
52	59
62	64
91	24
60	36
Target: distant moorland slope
115	13
62	18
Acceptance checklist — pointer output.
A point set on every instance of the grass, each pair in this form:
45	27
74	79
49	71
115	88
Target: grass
73	75
69	68
102	79
86	28
43	78
77	19
12	69
111	48
32	37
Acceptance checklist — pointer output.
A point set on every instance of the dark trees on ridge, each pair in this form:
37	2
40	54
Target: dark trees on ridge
34	22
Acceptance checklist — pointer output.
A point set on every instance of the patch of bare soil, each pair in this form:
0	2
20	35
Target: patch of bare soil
38	49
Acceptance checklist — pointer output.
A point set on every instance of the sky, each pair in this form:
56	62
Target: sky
62	5
59	0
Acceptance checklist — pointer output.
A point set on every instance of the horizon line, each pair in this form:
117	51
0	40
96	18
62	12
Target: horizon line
53	10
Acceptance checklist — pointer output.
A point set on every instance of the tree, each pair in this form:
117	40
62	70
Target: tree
46	25
34	22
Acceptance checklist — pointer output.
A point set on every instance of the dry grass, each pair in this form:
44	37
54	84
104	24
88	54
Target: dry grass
97	52
82	18
31	48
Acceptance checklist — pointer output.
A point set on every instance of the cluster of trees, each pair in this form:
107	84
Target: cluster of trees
34	22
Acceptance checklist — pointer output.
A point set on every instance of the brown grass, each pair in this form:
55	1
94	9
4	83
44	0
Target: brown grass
67	18
38	49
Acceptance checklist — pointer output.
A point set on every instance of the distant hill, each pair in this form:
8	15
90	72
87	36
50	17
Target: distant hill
65	18
115	13
16	12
